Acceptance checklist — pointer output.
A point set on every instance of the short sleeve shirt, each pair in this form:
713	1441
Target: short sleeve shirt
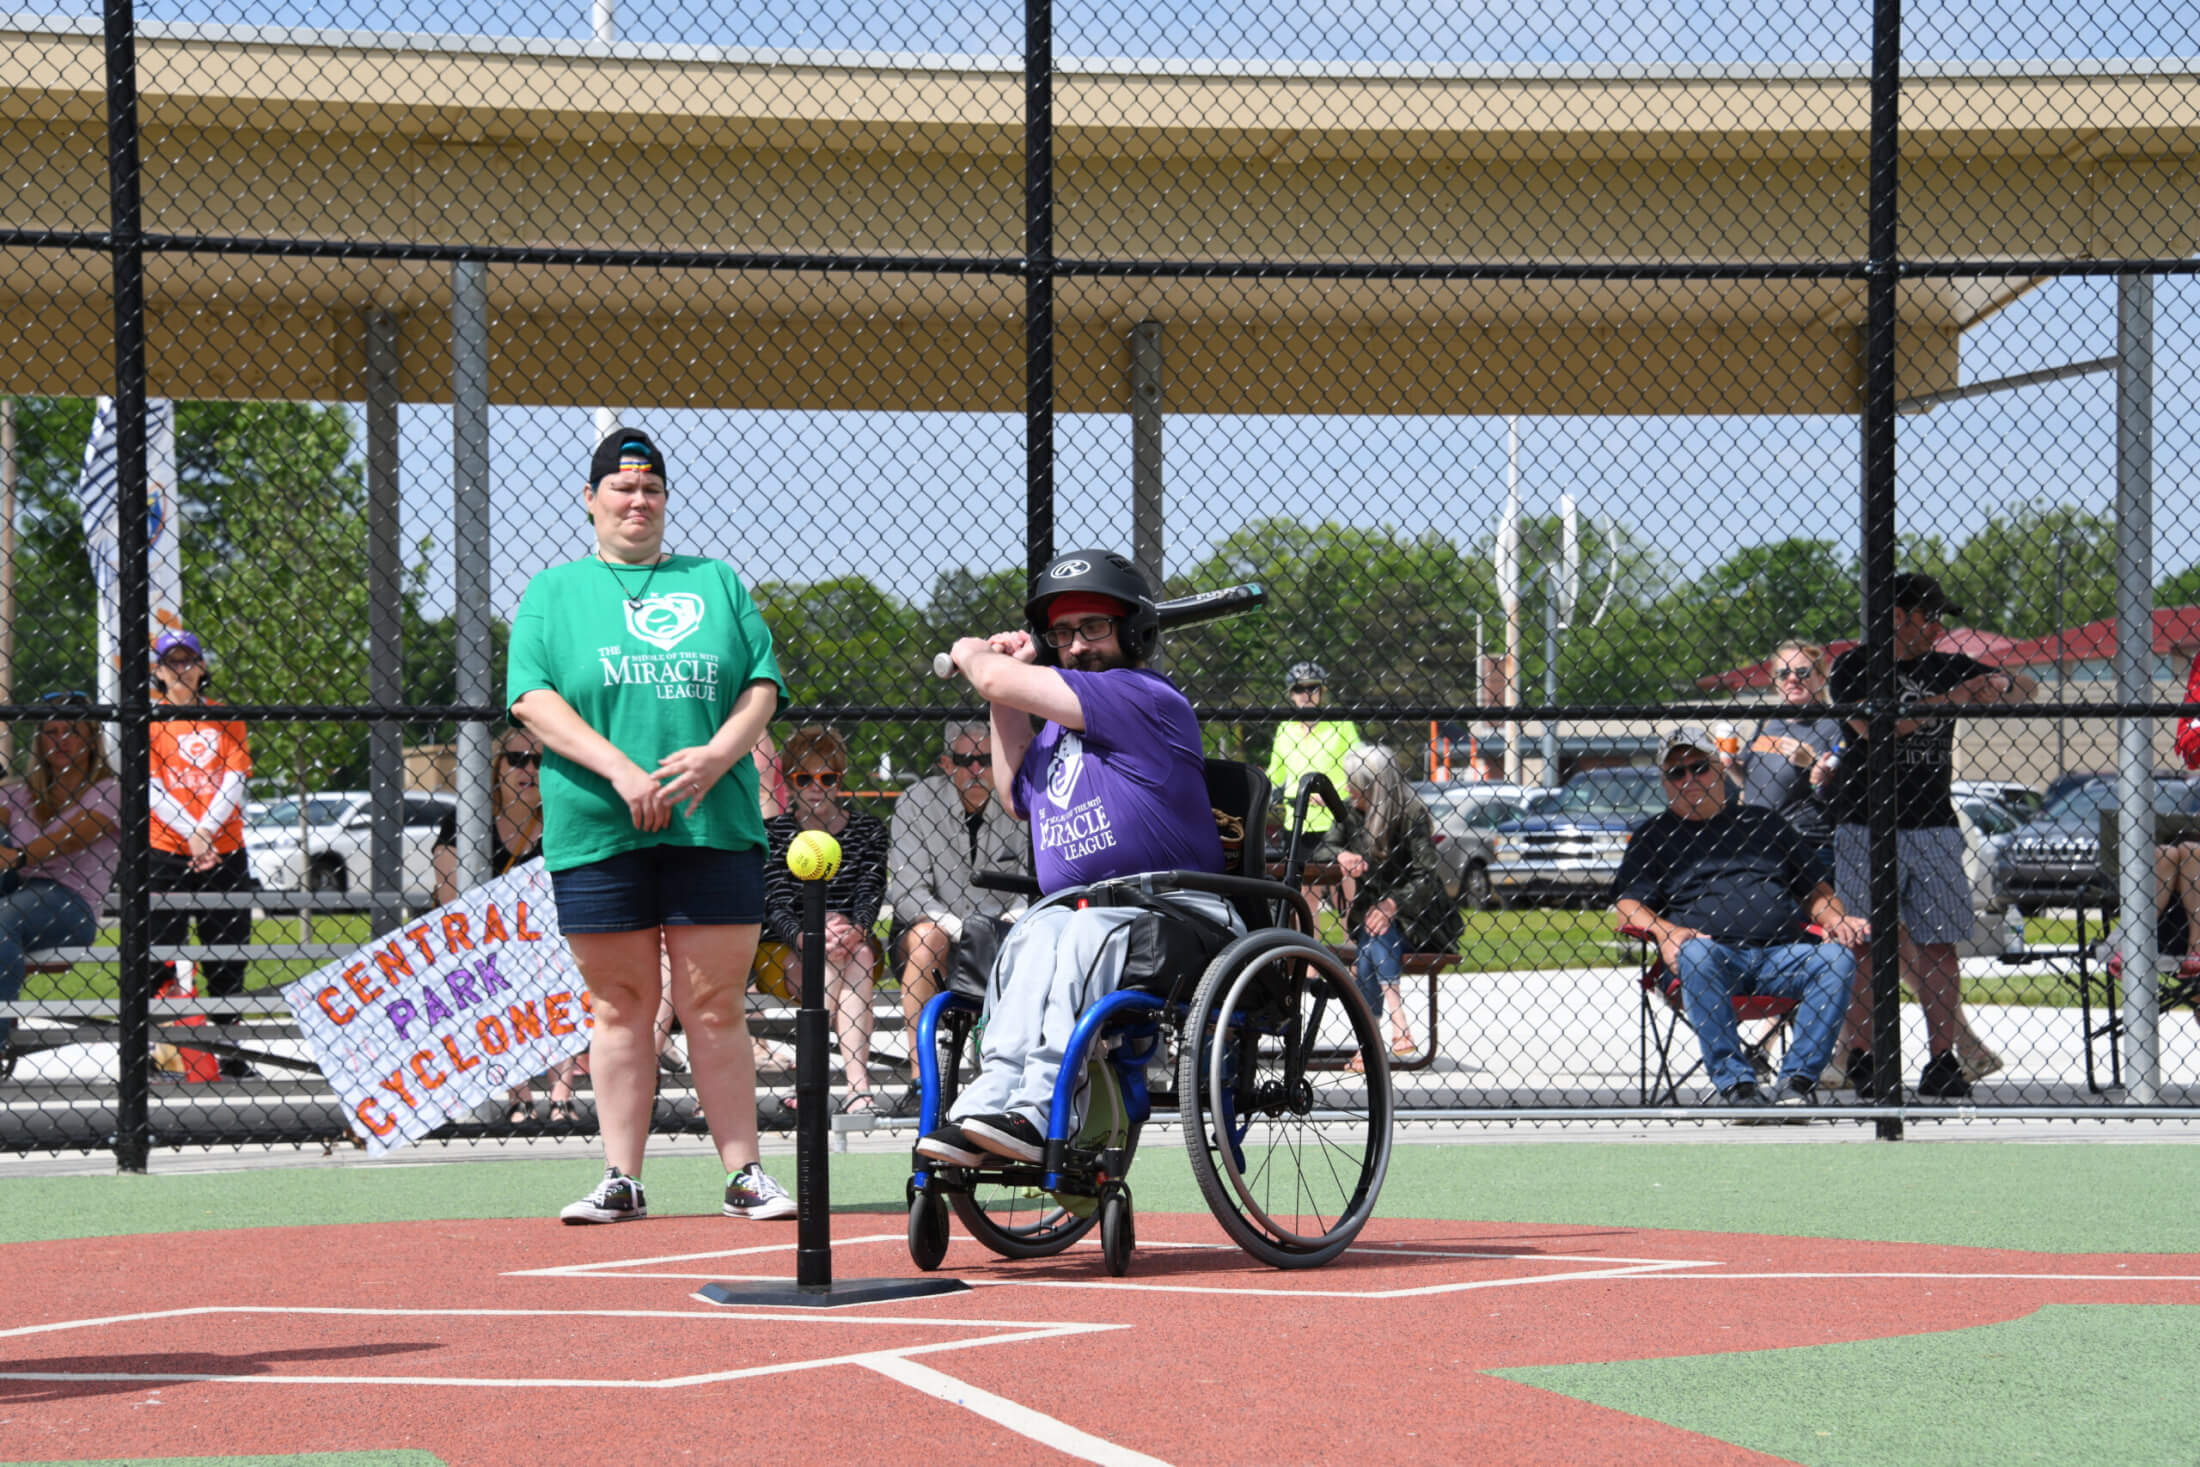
1924	758
1778	783
1741	876
1128	794
190	760
88	872
653	662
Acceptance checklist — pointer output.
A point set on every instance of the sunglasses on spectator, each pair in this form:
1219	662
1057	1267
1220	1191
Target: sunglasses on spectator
1693	769
1793	674
1306	687
1092	629
528	760
69	695
971	761
802	779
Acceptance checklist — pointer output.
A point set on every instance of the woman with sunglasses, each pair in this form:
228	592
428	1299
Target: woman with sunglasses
1785	766
61	847
199	768
515	836
816	760
648	678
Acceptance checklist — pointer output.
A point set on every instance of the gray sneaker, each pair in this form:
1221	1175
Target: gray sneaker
751	1193
1796	1097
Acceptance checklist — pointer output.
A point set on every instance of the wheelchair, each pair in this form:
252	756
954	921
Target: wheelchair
1261	1042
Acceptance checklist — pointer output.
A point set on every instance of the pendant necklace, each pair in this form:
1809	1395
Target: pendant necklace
636	599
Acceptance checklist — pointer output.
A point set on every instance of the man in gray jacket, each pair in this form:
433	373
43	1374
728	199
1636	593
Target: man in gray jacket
946	827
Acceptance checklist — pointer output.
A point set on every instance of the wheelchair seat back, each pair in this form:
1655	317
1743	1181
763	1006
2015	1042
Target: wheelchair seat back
1169	951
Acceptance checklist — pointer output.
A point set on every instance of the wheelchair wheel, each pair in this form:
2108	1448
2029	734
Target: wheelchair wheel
1118	1234
927	1231
1289	1140
1020	1221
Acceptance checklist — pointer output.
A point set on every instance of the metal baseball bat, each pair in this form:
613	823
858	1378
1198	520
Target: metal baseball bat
1182	611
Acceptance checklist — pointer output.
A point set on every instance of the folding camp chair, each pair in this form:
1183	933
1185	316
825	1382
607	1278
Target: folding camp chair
1765	1024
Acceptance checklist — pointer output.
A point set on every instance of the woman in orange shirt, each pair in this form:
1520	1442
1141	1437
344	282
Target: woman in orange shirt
199	769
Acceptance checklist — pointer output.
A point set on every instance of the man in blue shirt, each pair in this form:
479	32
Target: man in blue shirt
1114	783
1724	890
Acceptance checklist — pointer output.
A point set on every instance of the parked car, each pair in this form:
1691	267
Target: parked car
1567	847
2021	799
332	850
1466	817
2054	859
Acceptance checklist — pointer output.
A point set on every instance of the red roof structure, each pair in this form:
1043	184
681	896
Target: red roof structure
2176	629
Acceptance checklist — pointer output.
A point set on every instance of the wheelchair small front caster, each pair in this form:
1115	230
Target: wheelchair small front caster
1118	1235
927	1230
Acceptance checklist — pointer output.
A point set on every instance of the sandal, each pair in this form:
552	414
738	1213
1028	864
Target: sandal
523	1113
561	1113
1403	1048
848	1104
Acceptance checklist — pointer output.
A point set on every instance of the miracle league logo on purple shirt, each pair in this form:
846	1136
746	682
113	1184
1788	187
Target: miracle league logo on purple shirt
1129	794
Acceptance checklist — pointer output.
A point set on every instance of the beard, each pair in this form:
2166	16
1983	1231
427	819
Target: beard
1092	659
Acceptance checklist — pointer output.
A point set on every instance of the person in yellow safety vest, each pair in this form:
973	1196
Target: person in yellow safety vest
1312	746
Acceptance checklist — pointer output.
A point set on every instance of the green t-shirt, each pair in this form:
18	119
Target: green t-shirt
652	677
1303	749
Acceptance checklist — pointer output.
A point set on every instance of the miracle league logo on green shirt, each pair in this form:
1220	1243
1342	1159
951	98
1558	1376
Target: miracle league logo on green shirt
664	621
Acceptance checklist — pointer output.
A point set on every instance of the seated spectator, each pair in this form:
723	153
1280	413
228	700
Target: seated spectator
1398	903
947	828
816	759
1724	889
61	845
515	836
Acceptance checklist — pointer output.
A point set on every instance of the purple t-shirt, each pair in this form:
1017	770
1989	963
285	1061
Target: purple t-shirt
88	872
1129	794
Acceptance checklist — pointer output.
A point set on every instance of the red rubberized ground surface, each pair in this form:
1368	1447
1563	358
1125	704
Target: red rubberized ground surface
1201	1355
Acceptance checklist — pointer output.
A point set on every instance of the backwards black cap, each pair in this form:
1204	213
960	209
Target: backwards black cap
625	450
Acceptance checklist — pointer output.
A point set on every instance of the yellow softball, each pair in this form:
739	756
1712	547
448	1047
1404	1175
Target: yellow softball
813	856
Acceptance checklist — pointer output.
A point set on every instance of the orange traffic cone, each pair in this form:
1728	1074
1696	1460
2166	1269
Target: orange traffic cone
199	1065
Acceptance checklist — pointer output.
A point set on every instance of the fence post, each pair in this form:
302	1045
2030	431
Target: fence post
385	625
470	554
1882	279
133	1039
1038	286
1149	511
2135	879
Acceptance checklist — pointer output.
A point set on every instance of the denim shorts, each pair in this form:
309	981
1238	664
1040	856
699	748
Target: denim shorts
662	886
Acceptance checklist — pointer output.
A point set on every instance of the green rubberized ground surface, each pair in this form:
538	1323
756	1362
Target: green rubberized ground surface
2057	1197
2067	1384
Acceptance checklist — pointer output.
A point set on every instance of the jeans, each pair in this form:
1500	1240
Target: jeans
1378	964
39	913
1815	974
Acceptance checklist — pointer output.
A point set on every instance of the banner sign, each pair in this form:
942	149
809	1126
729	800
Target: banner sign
430	1020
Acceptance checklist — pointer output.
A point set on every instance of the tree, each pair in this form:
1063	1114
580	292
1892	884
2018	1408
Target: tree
2035	569
1742	608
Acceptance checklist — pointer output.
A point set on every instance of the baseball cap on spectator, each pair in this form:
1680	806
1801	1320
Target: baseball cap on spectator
1916	591
1689	736
168	641
625	451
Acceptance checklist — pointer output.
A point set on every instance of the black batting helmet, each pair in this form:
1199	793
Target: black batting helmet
1096	573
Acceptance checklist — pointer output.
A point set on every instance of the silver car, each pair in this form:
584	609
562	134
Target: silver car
327	850
1464	816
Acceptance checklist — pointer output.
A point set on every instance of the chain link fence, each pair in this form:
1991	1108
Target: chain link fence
1565	375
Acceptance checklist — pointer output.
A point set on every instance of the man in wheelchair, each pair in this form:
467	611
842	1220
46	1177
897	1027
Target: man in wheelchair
1724	889
1113	783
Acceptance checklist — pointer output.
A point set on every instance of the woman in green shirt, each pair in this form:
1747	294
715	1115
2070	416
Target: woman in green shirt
649	678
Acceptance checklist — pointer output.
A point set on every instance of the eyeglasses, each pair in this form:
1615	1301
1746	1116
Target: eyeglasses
1092	629
971	761
181	659
802	779
522	761
1693	769
1793	674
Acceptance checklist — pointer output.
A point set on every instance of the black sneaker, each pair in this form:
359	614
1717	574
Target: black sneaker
950	1145
1795	1098
1745	1094
617	1198
1008	1134
751	1193
1943	1079
232	1068
1860	1075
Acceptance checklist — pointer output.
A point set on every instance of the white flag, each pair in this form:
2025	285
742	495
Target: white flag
96	494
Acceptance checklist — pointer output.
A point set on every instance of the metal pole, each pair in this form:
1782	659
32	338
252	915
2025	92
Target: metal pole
1550	678
1508	591
2135	881
2062	638
1881	282
813	1251
125	233
470	539
1038	286
385	623
1148	514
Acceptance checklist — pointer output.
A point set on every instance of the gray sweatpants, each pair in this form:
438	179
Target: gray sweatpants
1056	962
